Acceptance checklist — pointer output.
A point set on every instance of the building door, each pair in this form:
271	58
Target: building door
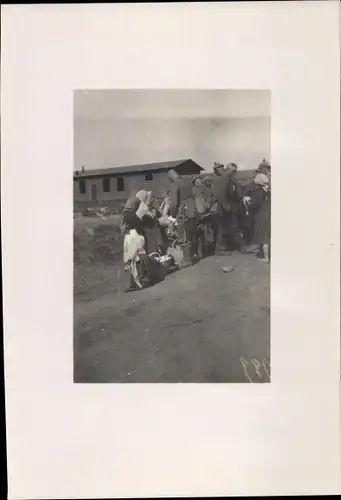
94	194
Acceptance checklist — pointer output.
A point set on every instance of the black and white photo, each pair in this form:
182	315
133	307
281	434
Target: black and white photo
172	219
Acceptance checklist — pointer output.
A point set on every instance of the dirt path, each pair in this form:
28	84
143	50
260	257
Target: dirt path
199	325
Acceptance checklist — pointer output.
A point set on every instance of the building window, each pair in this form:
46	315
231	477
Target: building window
148	177
106	185
82	187
120	184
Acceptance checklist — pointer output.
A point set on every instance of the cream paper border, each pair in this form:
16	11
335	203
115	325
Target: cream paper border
84	441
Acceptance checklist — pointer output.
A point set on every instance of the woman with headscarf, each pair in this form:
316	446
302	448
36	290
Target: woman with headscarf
136	208
264	168
259	206
155	231
137	215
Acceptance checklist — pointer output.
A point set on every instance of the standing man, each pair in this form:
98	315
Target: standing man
219	188
202	208
226	197
234	199
183	209
210	217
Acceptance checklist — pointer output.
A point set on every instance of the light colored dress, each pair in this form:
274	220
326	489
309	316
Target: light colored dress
133	247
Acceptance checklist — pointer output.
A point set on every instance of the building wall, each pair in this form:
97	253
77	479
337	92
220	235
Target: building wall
132	183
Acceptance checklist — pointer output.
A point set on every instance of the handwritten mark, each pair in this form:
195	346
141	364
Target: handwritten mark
245	364
257	365
262	369
265	366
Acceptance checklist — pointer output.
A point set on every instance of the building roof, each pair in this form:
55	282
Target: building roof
132	169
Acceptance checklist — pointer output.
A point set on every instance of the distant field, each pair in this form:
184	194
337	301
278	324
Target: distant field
97	239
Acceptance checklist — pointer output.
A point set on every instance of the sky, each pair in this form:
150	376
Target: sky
115	128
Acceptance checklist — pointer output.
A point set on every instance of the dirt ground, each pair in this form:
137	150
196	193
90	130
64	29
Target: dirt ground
199	325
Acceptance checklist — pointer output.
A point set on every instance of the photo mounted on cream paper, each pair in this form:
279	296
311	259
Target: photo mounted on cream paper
172	253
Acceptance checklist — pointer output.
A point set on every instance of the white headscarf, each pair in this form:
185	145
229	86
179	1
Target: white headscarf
263	181
142	195
146	198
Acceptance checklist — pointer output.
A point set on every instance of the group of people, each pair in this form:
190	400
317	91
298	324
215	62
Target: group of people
205	214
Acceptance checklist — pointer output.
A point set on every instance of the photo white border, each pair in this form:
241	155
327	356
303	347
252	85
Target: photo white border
68	440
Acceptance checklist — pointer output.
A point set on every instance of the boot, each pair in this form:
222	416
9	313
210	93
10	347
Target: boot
251	249
222	252
266	254
221	246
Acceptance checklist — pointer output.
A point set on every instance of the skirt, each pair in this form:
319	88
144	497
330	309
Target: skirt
262	226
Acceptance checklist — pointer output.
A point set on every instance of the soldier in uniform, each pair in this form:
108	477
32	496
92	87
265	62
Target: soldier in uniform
183	209
235	194
202	201
226	198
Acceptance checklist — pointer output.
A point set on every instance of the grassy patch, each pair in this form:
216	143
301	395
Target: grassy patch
97	241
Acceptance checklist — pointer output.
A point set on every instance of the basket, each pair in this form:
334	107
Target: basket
166	261
176	252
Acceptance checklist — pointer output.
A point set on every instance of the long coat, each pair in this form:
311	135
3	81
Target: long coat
220	187
182	198
260	211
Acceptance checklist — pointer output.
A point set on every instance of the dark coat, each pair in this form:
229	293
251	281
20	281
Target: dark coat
227	191
182	198
235	192
260	211
220	187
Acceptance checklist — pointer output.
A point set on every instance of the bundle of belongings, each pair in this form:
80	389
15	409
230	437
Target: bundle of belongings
170	224
172	254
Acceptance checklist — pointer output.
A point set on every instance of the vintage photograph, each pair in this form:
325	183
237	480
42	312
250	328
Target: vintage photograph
172	240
